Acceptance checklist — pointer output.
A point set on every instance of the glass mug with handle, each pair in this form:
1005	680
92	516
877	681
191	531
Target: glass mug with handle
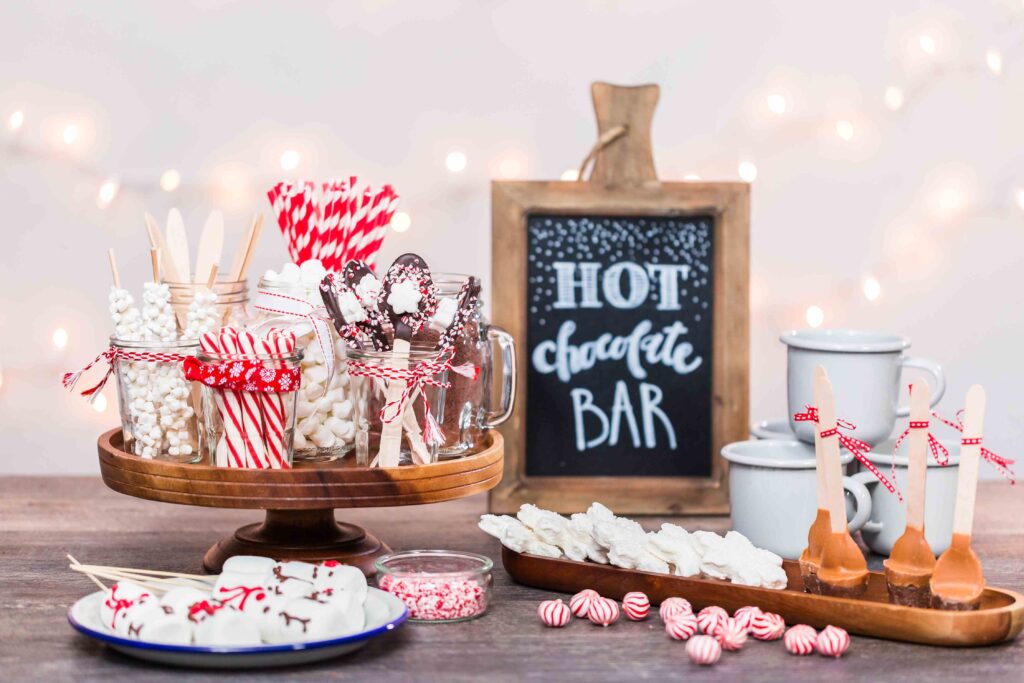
865	369
469	405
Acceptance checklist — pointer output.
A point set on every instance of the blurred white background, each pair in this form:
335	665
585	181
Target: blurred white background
885	138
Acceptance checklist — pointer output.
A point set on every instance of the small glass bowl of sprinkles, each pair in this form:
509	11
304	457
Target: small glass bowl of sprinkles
437	586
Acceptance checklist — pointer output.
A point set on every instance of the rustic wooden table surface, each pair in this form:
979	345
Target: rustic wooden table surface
41	519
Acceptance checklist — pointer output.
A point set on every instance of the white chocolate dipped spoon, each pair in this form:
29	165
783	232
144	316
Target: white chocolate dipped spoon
958	579
211	245
843	571
912	561
177	245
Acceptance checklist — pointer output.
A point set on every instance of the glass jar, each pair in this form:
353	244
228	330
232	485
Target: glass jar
248	429
469	404
369	394
232	300
438	586
157	404
324	428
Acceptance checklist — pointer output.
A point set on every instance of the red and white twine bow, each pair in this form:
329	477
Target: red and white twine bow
292	311
112	354
1001	464
415	378
933	443
243	375
858	448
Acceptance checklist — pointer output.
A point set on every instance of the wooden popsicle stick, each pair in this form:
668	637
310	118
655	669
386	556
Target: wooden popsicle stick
154	262
391	432
917	455
156	241
113	268
246	248
211	244
212	279
177	244
967	481
826	403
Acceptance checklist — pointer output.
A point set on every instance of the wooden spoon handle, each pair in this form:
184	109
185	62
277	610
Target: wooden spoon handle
391	432
825	400
917	454
967	482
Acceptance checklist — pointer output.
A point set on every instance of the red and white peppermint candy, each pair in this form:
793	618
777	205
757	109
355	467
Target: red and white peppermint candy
703	650
603	612
801	640
673	606
554	613
580	603
711	618
767	626
681	626
731	635
636	605
833	641
744	615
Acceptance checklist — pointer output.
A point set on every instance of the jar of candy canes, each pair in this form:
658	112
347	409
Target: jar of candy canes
248	417
371	379
471	406
232	300
437	585
324	428
157	404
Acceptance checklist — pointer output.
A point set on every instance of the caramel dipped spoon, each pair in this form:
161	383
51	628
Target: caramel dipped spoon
911	562
958	579
843	572
810	559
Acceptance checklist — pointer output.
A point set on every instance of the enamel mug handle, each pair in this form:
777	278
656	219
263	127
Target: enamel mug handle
933	369
865	479
508	377
861	499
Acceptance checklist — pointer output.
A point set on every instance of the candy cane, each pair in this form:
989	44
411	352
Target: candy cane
273	405
245	405
232	438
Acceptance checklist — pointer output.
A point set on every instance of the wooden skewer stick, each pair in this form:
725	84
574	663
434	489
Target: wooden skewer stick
154	260
113	267
212	280
75	562
156	241
250	249
154	572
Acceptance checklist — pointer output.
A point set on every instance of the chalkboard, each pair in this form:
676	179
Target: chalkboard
619	345
628	305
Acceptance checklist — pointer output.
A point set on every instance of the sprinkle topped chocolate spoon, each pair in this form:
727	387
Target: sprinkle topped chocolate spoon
469	296
359	278
409	298
344	309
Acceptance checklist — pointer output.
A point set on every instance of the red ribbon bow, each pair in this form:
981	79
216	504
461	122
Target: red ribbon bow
1001	464
854	445
110	355
415	378
243	375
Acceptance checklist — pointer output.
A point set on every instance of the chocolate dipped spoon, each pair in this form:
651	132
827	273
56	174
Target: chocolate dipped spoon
810	559
469	295
359	278
346	320
408	298
843	571
958	579
911	562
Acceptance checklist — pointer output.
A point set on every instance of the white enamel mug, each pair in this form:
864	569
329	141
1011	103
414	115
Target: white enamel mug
889	515
864	368
773	493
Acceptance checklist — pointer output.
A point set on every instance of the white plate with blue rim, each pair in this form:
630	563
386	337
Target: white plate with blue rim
384	613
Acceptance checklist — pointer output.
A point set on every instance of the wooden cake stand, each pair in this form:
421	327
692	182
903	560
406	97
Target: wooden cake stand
300	502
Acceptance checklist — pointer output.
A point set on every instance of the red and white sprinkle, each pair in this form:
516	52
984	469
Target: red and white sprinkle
580	603
711	618
703	650
801	640
431	599
636	605
731	635
681	626
673	606
833	641
603	612
554	613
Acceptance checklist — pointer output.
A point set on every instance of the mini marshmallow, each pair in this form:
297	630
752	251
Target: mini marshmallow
181	598
290	579
445	313
248	564
119	597
171	629
304	409
342	410
351	310
404	297
290	273
305	619
368	289
323	438
243	592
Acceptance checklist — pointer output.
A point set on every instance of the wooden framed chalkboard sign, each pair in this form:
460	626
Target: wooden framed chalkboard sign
628	300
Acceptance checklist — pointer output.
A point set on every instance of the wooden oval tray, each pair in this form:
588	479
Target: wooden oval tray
300	502
1000	617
